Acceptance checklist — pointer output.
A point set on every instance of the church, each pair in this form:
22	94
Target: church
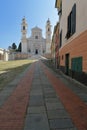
35	44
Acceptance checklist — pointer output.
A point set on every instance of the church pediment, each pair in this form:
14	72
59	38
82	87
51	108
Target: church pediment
36	33
36	29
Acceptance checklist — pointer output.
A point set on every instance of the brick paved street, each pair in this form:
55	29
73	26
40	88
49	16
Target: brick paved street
40	99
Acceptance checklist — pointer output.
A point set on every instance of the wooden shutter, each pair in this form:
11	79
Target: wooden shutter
61	38
73	19
76	64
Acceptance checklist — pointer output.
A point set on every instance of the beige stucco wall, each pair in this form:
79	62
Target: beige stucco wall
81	18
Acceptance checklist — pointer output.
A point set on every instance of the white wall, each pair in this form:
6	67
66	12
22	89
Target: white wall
1	51
5	53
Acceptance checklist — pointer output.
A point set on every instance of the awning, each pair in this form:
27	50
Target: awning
58	4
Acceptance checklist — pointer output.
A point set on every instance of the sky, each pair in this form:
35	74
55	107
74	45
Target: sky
36	13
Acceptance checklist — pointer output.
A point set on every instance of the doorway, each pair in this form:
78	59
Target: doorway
67	64
36	51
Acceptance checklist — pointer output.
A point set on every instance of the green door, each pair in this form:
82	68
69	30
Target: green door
67	64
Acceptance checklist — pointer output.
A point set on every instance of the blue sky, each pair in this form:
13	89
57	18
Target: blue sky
36	13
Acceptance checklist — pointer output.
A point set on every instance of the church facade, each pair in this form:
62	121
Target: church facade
36	44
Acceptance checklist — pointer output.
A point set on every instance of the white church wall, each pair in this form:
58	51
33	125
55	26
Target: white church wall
35	44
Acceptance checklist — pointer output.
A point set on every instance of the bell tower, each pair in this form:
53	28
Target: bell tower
48	36
24	32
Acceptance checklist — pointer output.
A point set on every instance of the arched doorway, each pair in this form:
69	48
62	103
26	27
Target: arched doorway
36	51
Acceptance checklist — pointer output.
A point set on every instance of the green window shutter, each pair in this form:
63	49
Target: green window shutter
76	64
79	64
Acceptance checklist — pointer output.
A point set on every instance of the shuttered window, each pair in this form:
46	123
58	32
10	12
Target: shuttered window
73	19
71	22
61	38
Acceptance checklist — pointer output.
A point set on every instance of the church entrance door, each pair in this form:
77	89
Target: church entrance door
36	51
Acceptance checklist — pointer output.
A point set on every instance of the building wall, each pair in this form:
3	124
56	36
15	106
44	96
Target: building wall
24	45
18	56
4	55
1	57
81	18
76	48
53	47
57	45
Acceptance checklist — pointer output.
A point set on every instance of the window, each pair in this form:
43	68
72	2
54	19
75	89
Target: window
43	51
29	50
23	27
36	37
71	22
62	57
48	29
61	38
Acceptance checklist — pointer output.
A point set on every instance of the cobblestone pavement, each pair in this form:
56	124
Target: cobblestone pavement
42	100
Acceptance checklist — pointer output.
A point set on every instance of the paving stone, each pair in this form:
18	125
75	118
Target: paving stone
45	83
34	97
36	109
61	124
36	80
83	96
15	82
5	93
36	88
33	93
36	83
53	114
48	90
50	95
36	122
52	106
52	100
66	129
36	101
38	91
